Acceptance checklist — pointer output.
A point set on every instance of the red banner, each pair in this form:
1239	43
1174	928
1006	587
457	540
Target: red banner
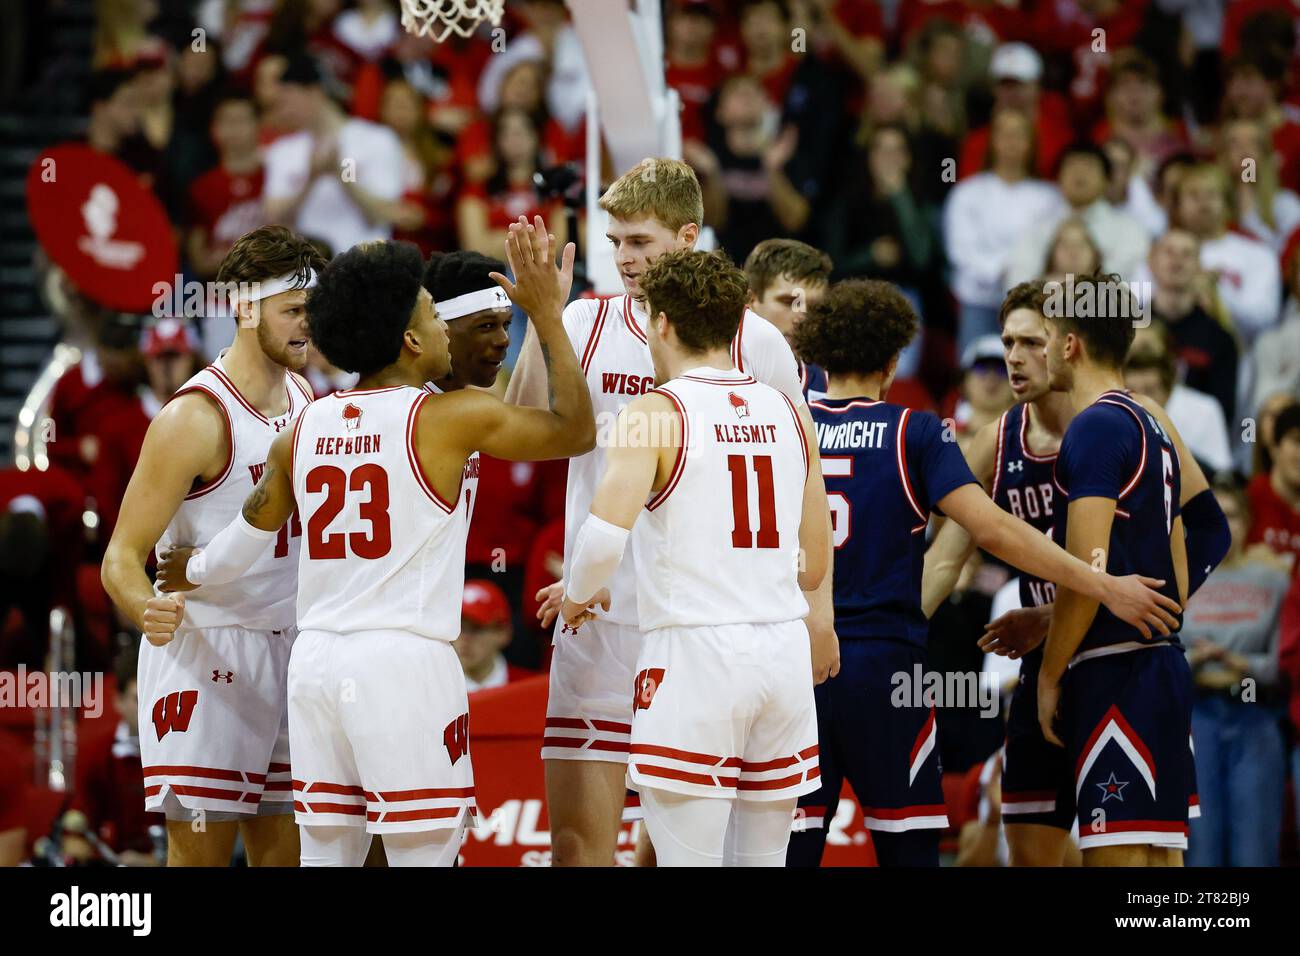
101	226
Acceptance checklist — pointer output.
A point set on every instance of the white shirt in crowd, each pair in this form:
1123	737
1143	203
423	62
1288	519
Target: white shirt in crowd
1122	239
367	150
983	220
566	90
367	38
1199	419
1277	358
499	676
1286	216
1250	281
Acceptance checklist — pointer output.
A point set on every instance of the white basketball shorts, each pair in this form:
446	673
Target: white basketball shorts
726	711
589	710
379	723
214	724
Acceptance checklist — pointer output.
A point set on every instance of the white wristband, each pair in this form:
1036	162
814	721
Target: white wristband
229	554
597	552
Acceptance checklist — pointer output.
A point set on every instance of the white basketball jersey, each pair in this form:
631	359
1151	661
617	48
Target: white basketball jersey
263	598
381	550
719	543
609	338
469	483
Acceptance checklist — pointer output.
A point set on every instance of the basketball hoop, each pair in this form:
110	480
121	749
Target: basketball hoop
441	18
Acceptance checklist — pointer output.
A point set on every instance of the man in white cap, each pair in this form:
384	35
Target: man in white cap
213	701
1014	71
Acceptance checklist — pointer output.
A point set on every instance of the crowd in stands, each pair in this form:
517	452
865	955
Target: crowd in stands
953	147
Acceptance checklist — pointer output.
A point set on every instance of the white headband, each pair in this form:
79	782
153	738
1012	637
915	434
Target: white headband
269	287
471	302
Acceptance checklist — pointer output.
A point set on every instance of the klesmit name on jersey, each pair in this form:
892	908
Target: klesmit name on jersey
850	434
744	434
77	909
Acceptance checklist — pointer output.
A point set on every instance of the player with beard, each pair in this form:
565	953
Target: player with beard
379	712
214	740
1014	458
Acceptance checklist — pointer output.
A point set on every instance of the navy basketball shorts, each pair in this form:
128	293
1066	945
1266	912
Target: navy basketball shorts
1037	786
889	754
1125	719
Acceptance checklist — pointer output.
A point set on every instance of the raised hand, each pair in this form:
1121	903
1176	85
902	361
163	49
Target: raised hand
540	288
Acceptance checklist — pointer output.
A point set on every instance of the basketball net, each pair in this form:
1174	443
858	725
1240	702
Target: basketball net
441	18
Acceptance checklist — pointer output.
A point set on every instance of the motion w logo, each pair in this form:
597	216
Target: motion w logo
456	737
173	712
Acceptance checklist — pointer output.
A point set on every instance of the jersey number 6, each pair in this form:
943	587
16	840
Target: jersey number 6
336	483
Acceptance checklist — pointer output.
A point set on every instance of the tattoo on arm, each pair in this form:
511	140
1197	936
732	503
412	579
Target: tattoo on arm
257	500
550	383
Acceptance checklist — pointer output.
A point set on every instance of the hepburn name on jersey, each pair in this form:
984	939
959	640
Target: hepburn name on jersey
851	434
351	445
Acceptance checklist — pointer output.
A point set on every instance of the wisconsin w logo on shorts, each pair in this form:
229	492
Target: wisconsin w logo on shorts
644	687
173	712
456	737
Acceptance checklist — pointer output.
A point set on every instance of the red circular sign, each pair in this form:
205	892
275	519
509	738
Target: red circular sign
97	222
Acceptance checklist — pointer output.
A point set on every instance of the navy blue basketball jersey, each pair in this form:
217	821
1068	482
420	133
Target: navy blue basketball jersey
1023	486
812	379
1116	449
885	466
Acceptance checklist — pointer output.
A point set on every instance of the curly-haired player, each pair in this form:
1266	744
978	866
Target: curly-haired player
379	717
887	468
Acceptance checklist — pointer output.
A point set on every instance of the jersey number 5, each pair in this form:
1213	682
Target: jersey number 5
335	482
741	536
839	466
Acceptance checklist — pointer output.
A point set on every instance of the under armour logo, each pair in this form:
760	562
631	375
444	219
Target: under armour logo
1014	466
279	423
228	676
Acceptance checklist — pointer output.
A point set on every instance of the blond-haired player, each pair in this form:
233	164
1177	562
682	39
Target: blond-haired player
214	726
712	467
654	208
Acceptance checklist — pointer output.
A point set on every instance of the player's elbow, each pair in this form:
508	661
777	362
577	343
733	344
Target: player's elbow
579	435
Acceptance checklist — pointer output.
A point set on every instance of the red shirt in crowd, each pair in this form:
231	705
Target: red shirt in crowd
506	206
1274	521
226	205
110	789
1052	131
521	496
558	145
1289	645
